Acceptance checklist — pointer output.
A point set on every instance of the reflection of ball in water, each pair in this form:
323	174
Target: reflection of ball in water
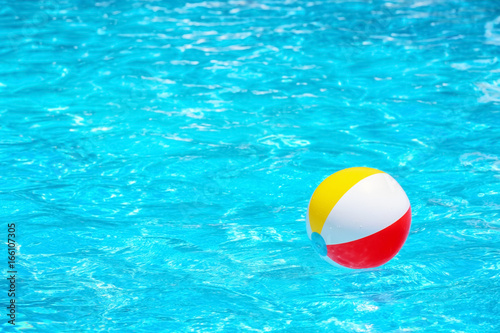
358	218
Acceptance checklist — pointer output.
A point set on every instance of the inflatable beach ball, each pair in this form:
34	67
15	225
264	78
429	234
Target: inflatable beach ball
358	218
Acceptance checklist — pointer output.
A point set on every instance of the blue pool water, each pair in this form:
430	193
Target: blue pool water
158	157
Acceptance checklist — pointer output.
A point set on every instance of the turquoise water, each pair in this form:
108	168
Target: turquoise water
158	158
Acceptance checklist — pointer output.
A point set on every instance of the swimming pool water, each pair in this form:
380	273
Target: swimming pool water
158	158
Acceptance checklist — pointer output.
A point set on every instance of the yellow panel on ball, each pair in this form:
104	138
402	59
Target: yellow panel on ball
329	192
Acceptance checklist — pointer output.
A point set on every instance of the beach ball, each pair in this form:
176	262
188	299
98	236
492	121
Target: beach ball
358	218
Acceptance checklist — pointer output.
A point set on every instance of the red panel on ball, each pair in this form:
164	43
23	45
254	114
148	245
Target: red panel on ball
373	250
